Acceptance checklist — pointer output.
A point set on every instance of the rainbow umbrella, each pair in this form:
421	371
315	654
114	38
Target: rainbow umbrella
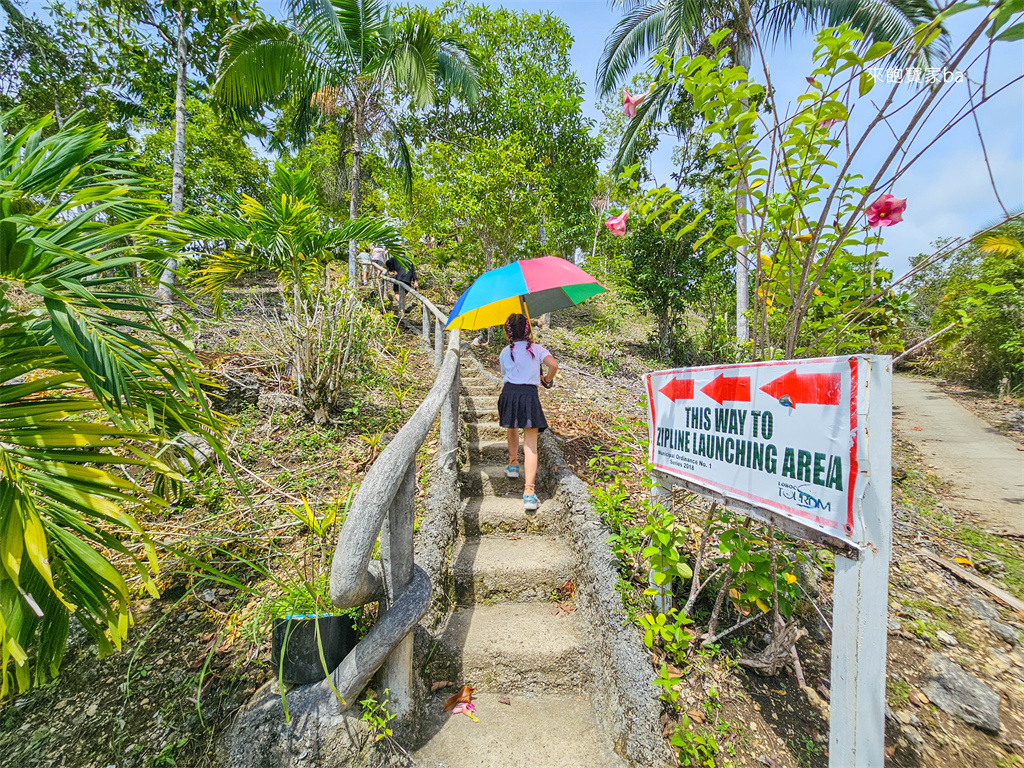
531	287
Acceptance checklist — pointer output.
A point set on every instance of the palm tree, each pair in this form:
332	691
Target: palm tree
682	26
94	391
291	237
346	59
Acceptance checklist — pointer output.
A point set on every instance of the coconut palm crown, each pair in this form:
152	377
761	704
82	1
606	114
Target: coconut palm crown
682	27
349	60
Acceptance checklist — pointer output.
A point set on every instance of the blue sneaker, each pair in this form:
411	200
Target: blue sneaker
531	502
512	471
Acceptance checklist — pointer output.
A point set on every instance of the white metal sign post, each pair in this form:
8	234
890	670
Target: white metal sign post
805	445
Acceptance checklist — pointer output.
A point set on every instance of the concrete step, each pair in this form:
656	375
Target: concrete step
535	731
480	387
492	514
481	405
490	480
491	450
515	648
516	570
487	430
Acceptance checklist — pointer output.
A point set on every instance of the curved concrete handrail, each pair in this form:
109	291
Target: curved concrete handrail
384	504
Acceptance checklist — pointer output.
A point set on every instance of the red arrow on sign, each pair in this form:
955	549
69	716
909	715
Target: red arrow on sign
736	389
806	388
678	389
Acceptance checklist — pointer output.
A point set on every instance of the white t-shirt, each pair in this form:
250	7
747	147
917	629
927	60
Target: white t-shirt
524	369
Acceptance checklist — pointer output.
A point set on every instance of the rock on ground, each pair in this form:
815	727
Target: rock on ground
1005	631
955	691
982	608
280	401
199	448
316	733
235	390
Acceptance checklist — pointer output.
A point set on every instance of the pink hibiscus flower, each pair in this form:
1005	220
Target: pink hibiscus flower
617	224
886	211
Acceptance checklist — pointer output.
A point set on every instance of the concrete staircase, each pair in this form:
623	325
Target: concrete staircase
507	636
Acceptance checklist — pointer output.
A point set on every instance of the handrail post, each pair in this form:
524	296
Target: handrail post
438	345
401	299
397	560
450	421
426	324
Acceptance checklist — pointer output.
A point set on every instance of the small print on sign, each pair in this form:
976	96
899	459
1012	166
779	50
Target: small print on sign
781	435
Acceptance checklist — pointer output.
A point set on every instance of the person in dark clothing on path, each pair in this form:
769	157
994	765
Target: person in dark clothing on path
404	269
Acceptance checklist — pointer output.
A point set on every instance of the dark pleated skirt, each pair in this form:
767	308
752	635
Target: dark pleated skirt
519	407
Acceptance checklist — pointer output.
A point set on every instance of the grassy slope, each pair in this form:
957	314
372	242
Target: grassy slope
202	648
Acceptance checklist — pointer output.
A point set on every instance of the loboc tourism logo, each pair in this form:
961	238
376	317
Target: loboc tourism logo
779	435
802	497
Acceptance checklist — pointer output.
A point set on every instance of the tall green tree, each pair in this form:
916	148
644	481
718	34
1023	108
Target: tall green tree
682	28
981	309
481	203
183	37
219	166
528	87
45	68
349	61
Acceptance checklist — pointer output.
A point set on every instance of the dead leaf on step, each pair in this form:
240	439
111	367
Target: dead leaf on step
671	670
515	538
890	751
465	694
568	590
915	699
770	761
555	610
696	714
825	694
505	700
568	607
440	684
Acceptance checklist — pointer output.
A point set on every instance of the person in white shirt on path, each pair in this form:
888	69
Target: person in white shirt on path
519	404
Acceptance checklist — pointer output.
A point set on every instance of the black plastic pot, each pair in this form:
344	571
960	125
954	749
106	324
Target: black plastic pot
295	637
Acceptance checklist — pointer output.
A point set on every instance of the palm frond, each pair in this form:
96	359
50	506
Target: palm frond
891	21
91	385
1001	245
263	61
636	36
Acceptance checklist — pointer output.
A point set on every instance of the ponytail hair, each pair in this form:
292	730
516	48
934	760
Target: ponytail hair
517	328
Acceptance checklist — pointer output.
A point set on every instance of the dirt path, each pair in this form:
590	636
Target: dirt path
985	468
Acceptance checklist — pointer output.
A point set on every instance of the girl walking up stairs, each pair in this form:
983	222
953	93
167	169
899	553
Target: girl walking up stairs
514	634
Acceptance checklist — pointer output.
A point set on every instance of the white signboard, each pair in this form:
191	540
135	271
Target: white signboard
799	440
778	435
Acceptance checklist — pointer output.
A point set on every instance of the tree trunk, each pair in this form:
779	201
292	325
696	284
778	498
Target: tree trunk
742	276
357	154
165	291
665	335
